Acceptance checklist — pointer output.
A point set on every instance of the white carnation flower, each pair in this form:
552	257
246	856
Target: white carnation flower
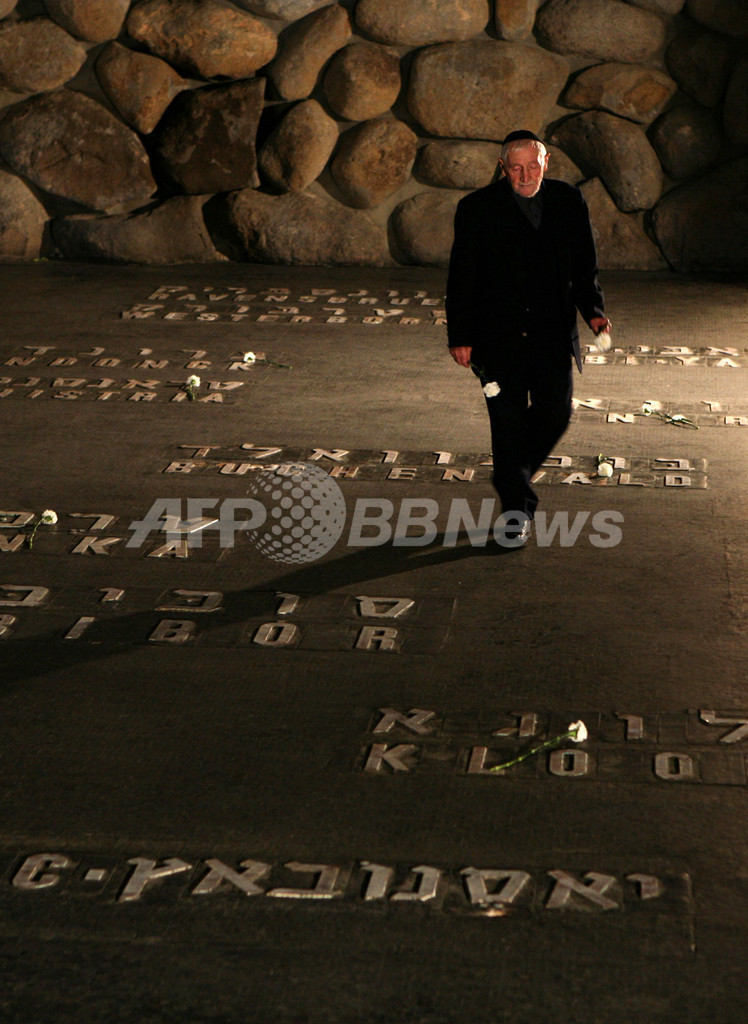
578	731
49	517
249	357
602	341
193	381
491	390
605	469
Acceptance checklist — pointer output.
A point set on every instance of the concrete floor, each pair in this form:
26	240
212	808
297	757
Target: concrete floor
241	790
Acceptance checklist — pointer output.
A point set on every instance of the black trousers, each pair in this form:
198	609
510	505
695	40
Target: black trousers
528	417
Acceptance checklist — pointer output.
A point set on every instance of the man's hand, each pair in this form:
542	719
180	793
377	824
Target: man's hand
600	323
601	326
462	354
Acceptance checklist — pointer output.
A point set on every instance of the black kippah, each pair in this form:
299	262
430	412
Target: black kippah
520	135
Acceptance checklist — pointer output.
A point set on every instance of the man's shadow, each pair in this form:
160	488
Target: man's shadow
37	656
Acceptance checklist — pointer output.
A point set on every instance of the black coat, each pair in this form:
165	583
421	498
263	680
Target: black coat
509	282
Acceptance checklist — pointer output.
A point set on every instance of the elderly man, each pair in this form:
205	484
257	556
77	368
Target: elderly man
523	261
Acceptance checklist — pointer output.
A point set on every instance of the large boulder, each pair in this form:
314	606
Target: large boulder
305	48
362	81
297	228
688	139
736	105
600	29
94	20
374	160
619	237
700	61
659	6
70	146
514	19
37	56
205	142
421	22
423	228
562	167
617	151
203	38
637	93
140	86
296	152
283	10
171	232
701	226
727	16
22	219
484	88
457	163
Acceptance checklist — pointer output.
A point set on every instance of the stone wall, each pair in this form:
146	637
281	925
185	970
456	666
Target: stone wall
310	132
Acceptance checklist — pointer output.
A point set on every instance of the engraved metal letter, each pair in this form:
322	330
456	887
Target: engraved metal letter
476	878
35	872
380	754
146	872
245	880
593	890
325	887
426	888
415	720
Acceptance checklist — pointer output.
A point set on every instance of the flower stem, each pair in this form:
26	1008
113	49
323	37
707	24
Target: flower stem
549	744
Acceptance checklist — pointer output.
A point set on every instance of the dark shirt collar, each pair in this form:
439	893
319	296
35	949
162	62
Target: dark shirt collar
531	206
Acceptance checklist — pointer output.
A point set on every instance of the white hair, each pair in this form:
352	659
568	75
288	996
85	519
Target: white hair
516	143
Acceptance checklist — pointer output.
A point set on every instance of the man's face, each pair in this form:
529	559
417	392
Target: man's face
525	167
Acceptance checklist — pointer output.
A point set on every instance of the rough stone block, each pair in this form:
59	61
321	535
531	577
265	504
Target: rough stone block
22	219
423	227
637	93
203	38
700	61
458	164
139	85
659	6
205	142
618	152
514	19
688	139
283	10
296	152
620	238
373	161
170	232
305	48
701	225
601	29
727	16
70	146
298	228
94	20
562	167
421	22
362	81
37	56
484	88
